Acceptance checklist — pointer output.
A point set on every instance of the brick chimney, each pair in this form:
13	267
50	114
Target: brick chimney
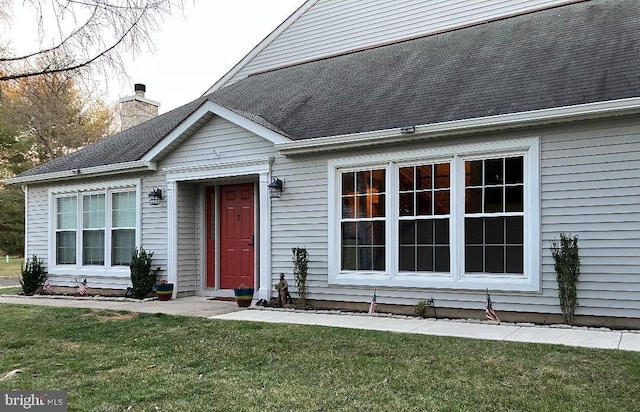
137	109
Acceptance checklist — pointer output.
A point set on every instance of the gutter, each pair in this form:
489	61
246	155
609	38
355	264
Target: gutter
542	117
105	170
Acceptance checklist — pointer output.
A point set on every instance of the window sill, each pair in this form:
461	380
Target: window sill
115	272
476	282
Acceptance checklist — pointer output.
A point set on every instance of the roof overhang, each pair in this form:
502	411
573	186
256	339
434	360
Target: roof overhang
198	118
557	115
96	171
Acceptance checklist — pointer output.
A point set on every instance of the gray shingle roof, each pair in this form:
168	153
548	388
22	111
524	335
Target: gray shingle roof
579	53
126	146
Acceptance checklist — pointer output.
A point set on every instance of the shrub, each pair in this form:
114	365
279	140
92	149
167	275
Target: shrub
300	268
567	266
143	278
421	308
33	275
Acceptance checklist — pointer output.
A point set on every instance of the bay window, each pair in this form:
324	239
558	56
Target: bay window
464	217
95	229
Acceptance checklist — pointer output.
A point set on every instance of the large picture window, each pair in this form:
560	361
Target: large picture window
468	218
95	228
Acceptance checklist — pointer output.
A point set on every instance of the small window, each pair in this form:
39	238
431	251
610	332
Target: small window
66	223
123	227
93	227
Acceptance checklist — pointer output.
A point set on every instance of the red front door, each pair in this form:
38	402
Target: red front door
236	236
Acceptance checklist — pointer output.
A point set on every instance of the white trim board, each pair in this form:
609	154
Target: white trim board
105	170
508	121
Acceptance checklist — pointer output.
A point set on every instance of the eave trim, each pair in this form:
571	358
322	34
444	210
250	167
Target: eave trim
105	170
541	117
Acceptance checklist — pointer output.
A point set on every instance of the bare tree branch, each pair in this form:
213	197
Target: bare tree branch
82	35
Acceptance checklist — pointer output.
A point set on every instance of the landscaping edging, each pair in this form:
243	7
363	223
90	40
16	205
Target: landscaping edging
70	297
471	321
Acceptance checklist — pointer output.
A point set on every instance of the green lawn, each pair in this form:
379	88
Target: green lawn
11	269
110	361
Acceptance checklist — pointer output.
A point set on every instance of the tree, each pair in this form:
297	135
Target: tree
53	117
41	118
77	35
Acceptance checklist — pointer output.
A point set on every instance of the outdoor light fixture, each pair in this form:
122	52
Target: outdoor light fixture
155	196
408	129
275	188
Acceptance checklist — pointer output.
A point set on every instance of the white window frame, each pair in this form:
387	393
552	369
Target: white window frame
456	279
106	188
109	220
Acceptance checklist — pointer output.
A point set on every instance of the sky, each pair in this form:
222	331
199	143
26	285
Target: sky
193	49
198	46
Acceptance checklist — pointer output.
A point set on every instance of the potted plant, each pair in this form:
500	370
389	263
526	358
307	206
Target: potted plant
164	289
244	295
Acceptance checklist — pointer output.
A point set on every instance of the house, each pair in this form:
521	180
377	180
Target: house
426	149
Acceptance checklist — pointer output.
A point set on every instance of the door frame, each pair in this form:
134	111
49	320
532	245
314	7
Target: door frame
217	213
257	170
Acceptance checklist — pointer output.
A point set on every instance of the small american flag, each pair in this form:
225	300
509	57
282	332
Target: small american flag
82	287
374	303
47	286
491	314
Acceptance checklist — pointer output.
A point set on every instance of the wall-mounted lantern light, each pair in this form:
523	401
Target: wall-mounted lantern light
155	196
275	188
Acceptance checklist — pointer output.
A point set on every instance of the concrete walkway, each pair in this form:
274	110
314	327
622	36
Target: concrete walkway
212	309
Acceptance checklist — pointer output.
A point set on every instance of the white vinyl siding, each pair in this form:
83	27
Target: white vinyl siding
330	27
218	141
188	244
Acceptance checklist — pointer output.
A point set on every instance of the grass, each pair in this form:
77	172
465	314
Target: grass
10	291
111	361
11	269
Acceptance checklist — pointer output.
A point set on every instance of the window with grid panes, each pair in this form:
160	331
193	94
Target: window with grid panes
424	209
363	220
494	215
